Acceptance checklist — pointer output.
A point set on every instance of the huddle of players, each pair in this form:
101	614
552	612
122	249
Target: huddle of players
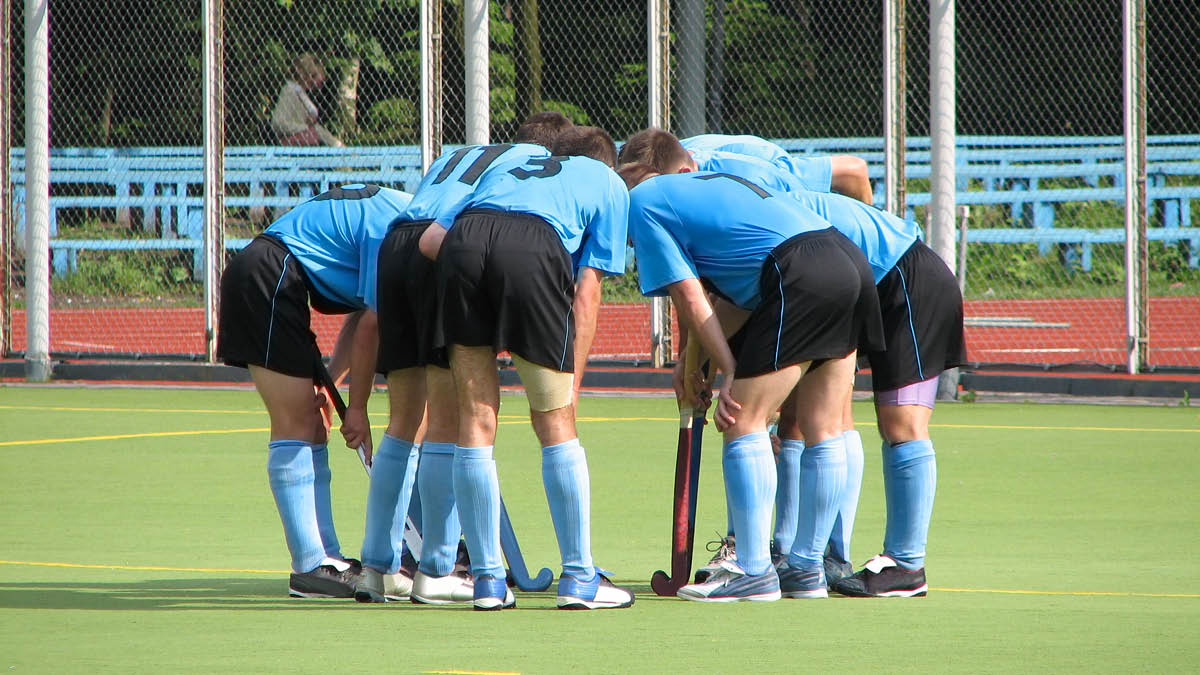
522	235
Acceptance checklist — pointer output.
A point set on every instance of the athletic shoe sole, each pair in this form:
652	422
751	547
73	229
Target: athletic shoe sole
918	592
364	595
568	602
760	597
818	593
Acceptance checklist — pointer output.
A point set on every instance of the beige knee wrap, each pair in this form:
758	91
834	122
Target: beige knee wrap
546	389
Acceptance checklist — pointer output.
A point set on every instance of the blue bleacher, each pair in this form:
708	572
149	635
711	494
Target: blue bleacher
1025	174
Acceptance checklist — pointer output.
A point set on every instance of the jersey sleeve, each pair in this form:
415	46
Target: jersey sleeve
661	258
604	240
814	173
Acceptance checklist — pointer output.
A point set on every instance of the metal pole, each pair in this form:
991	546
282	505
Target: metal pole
941	129
691	45
475	50
894	92
942	182
37	191
214	169
658	50
427	94
6	196
1135	182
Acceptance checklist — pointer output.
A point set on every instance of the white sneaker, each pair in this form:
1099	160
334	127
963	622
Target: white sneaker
375	586
452	588
599	593
730	583
725	549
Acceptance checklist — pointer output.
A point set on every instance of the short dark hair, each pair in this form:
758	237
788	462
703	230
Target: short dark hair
634	173
656	147
591	142
542	128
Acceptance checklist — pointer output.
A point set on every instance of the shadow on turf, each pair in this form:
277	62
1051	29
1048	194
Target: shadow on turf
192	594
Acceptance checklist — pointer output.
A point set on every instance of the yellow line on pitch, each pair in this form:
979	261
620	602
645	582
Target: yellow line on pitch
148	434
1103	594
471	672
138	568
1017	427
58	408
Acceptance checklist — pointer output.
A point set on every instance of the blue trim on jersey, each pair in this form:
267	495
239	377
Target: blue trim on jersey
271	325
782	306
562	362
911	329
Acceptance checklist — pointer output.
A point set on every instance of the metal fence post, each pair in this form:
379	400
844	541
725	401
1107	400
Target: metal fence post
214	169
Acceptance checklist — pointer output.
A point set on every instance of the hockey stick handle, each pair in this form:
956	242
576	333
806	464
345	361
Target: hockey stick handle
325	380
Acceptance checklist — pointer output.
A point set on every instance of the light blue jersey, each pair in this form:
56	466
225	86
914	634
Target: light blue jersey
336	236
883	237
452	178
582	199
816	173
716	227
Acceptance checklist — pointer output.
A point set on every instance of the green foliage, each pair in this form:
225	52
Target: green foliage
126	277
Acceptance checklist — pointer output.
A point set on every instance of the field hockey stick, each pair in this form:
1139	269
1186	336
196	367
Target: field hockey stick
699	421
687	473
516	562
325	381
412	535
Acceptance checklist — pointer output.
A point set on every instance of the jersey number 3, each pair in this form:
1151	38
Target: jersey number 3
549	166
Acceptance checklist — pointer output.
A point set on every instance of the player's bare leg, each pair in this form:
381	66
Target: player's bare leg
909	483
393	474
820	411
476	485
437	580
298	430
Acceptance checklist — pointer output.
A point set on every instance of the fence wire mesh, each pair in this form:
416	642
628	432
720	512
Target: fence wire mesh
1039	118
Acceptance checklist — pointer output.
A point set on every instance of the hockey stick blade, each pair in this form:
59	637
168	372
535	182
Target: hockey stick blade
516	562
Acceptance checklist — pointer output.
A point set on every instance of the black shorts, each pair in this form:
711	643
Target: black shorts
264	316
818	302
507	282
408	302
922	321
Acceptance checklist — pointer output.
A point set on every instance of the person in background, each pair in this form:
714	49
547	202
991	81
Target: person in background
294	119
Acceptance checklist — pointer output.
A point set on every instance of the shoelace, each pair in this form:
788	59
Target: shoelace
724	548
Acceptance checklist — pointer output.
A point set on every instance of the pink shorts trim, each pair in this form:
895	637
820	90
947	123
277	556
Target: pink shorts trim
919	393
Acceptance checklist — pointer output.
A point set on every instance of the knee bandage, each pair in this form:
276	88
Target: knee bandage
546	389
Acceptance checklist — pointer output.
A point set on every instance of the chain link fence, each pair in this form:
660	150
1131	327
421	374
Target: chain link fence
1039	117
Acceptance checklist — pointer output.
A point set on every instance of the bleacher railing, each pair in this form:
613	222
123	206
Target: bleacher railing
1039	168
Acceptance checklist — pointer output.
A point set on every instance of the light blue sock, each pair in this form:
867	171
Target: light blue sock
392	466
477	491
413	512
324	500
749	468
822	481
568	492
909	483
290	472
439	516
843	527
787	493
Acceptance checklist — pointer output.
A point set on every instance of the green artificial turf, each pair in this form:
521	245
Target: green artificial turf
139	535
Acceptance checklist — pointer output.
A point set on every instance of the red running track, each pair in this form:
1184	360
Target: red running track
1087	330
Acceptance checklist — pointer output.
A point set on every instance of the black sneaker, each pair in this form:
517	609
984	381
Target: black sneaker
882	577
324	582
836	569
